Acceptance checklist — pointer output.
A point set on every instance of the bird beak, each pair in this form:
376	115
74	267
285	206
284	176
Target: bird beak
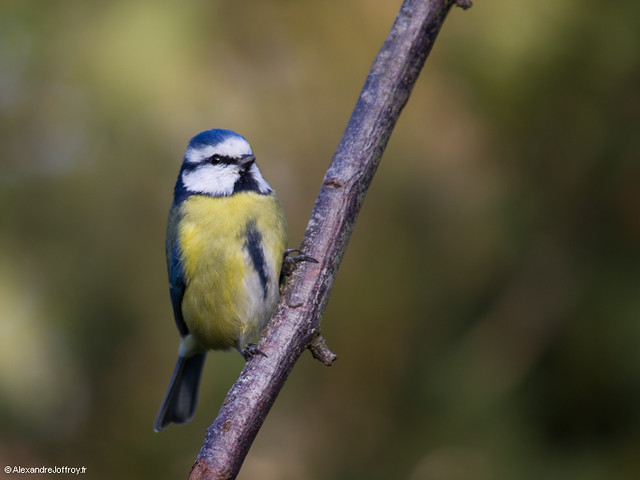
246	161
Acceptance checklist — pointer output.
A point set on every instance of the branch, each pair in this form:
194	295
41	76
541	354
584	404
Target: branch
296	322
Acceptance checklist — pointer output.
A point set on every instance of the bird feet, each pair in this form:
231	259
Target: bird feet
289	263
251	350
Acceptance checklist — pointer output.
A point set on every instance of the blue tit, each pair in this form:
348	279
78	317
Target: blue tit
226	239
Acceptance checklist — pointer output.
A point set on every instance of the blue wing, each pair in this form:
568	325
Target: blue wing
177	281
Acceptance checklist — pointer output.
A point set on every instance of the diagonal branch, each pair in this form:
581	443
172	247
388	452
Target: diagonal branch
296	323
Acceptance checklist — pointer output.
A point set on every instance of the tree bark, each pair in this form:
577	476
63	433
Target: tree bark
296	323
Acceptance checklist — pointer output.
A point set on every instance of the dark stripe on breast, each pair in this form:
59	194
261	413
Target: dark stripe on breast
253	244
246	183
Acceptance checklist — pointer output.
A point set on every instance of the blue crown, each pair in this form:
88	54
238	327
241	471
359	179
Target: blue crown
212	137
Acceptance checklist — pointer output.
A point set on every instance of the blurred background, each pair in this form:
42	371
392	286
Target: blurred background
487	312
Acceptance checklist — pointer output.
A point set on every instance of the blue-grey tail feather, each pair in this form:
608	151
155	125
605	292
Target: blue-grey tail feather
179	404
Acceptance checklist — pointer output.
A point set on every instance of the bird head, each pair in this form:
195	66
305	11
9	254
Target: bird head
219	163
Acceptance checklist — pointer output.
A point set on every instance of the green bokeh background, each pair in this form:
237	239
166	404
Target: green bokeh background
486	314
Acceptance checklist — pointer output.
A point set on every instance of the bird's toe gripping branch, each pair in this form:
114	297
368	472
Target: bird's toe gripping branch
251	350
289	262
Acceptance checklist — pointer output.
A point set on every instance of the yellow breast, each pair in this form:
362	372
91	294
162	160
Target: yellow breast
225	299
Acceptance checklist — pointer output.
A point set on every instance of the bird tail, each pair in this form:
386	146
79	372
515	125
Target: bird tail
179	403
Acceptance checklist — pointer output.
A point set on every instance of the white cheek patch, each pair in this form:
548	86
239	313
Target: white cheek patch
233	147
263	186
215	180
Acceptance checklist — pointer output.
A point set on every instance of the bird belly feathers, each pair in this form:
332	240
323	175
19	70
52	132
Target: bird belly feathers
231	249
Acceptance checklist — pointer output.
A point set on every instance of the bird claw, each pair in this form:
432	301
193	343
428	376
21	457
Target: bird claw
251	350
289	263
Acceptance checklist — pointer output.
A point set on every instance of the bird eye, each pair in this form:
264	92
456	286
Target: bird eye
214	159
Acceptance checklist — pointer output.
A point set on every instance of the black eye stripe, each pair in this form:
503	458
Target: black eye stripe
220	159
190	167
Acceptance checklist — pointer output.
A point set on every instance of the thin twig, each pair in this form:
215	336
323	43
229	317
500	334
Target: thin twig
296	323
320	351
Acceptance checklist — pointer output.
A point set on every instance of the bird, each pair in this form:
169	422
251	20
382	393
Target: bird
225	247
